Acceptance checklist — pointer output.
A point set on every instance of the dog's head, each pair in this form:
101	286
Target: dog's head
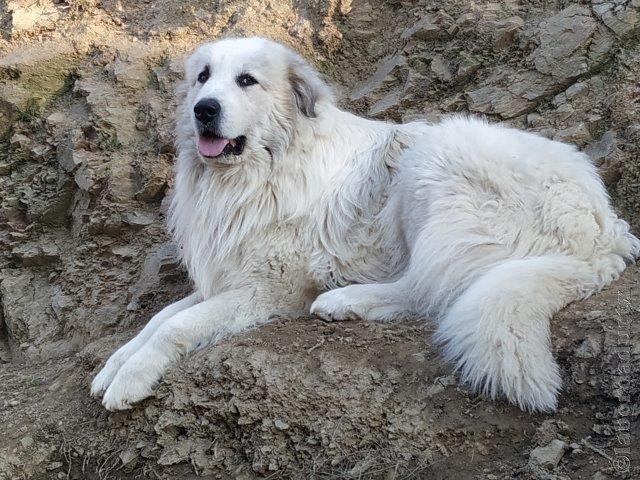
245	95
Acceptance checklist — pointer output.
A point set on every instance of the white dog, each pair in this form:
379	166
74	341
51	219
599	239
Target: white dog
280	195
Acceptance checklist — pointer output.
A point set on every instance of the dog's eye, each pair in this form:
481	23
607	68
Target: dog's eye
204	75
246	80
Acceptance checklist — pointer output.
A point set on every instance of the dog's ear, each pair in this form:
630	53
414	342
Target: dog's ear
307	86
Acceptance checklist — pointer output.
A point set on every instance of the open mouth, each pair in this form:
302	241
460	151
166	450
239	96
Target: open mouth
211	146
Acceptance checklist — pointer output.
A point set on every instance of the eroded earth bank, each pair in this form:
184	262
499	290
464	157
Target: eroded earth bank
86	107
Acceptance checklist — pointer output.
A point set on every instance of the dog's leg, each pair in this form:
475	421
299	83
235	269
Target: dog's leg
201	324
102	381
382	302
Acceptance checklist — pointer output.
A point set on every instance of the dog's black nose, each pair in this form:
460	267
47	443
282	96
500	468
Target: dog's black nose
207	110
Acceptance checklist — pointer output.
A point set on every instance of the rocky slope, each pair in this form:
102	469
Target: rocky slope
86	109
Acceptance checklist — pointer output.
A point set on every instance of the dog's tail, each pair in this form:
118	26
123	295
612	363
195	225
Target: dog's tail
497	331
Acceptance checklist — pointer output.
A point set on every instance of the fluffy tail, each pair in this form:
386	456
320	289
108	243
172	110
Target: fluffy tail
497	331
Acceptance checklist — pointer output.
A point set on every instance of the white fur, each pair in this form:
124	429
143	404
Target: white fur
487	229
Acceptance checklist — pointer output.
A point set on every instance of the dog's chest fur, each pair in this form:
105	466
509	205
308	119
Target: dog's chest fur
308	228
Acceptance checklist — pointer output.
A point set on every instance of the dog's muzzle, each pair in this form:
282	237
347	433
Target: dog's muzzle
211	143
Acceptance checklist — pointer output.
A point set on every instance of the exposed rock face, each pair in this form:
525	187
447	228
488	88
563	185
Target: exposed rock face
570	44
563	43
27	308
86	110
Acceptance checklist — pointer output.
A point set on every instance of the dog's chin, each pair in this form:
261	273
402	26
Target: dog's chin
215	149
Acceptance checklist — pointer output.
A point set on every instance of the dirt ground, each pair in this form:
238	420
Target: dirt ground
86	112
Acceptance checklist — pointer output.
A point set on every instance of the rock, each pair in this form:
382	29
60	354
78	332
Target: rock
467	67
56	120
54	466
440	384
156	174
622	19
55	211
5	349
111	110
602	149
27	442
440	69
19	140
429	117
494	98
563	42
633	132
61	303
535	120
69	153
590	347
425	29
506	32
128	457
26	304
280	425
121	186
600	49
124	251
168	74
132	75
608	158
467	20
550	455
91	171
130	68
138	220
510	93
163	259
497	100
385	105
576	90
594	315
30	147
36	254
383	73
577	134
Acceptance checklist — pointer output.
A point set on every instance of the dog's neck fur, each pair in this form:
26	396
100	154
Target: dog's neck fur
229	206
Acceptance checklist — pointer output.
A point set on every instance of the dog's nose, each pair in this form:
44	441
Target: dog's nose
207	110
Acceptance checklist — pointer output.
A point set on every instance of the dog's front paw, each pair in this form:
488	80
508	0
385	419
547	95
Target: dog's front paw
334	305
104	378
133	382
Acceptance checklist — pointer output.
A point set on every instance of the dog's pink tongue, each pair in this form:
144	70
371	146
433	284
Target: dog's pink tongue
212	147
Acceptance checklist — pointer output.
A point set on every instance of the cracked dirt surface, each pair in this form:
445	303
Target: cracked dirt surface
86	111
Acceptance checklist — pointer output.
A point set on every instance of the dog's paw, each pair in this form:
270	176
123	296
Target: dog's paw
335	306
133	382
104	378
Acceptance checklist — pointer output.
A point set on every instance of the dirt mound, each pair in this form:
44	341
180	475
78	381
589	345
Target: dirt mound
86	111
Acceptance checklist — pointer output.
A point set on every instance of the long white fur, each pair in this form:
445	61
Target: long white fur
486	229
